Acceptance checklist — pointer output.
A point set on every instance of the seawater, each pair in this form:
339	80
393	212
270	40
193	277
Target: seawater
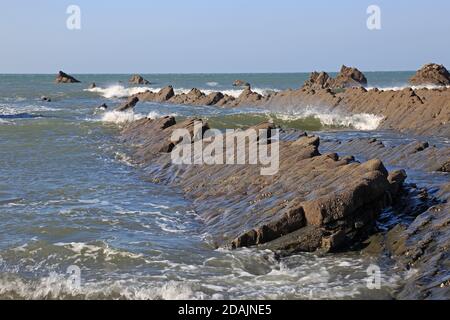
70	196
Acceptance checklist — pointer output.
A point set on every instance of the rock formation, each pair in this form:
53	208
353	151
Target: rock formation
130	104
93	85
347	78
65	78
316	201
431	74
137	79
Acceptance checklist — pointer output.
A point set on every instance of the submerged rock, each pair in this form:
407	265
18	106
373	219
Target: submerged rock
65	78
46	99
137	79
431	74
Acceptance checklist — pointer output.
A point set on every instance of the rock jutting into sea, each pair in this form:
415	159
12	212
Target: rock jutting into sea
65	78
315	202
137	79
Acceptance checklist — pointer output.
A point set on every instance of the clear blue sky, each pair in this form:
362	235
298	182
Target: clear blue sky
221	36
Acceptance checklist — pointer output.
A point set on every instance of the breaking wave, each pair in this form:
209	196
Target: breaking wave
119	117
403	87
359	121
119	91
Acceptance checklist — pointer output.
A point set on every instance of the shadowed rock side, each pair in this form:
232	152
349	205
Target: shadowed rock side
315	202
421	111
65	78
431	74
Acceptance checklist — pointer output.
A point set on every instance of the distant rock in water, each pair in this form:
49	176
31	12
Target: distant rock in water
93	85
46	99
350	77
241	83
347	78
65	78
137	79
431	74
130	104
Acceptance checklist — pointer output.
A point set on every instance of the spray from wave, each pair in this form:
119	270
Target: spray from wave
403	87
119	91
329	118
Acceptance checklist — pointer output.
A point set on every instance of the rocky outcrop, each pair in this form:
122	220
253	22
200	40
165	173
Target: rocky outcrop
93	85
417	236
137	79
162	96
315	202
65	78
129	105
431	74
347	78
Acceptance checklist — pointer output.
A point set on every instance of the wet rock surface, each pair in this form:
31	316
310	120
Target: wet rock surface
418	239
315	202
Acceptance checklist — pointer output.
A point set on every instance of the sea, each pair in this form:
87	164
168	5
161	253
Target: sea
78	220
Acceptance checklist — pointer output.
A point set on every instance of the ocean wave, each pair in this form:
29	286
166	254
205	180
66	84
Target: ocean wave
119	117
403	87
212	84
119	91
359	121
7	110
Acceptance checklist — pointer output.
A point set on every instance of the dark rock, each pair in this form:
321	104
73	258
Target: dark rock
92	85
65	78
46	99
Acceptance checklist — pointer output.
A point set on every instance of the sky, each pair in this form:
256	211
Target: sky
221	36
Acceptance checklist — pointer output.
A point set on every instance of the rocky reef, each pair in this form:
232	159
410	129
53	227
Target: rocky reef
315	201
65	78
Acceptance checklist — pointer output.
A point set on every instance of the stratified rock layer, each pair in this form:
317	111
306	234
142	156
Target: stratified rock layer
314	202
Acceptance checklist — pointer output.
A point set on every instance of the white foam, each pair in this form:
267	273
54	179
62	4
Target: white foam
399	88
156	115
212	84
119	117
119	91
14	109
359	121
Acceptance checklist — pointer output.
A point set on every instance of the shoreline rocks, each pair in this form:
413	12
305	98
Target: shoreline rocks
63	77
